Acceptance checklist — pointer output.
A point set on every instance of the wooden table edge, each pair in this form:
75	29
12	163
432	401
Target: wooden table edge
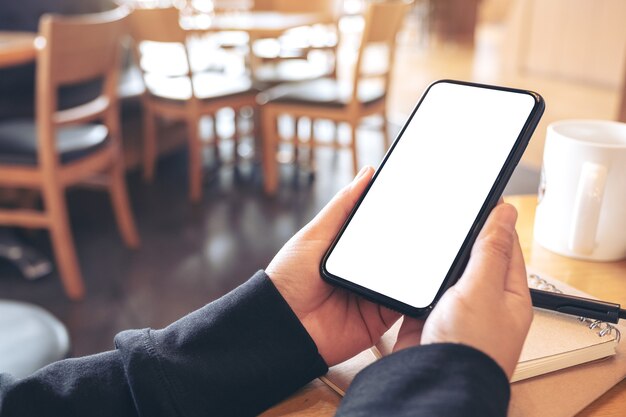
18	52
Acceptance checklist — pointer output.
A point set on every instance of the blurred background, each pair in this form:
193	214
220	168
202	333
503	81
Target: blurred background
218	175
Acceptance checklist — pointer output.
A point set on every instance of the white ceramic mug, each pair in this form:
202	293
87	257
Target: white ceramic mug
582	195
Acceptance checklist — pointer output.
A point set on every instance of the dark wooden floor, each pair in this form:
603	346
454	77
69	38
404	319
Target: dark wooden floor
190	254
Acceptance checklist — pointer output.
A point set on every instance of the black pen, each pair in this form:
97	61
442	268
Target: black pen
577	306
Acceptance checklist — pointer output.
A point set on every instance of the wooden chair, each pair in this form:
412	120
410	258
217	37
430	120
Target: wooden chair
186	95
332	99
66	147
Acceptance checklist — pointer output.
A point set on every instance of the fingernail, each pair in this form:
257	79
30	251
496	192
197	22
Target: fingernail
361	173
508	215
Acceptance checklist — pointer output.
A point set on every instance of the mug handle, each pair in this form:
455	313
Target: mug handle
587	208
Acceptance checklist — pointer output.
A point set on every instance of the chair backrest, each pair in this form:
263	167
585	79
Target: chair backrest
156	25
169	55
329	8
73	50
81	48
263	5
383	19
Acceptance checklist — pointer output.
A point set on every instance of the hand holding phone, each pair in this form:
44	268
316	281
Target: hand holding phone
491	294
341	323
409	237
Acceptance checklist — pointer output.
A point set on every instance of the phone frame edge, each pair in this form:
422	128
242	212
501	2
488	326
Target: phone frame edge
460	261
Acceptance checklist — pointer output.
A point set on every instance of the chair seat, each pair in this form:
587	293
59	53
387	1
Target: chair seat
296	42
271	48
207	86
30	338
325	92
292	70
309	37
231	39
18	142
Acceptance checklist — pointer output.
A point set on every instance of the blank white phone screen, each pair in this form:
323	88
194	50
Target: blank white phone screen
405	235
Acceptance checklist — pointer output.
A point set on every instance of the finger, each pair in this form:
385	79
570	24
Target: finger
516	281
492	252
388	316
410	333
330	219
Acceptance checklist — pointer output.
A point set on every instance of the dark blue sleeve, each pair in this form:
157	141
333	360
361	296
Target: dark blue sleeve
235	357
443	380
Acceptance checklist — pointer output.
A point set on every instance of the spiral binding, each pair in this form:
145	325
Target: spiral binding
601	328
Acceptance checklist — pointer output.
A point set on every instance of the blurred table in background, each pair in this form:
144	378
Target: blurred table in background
17	48
256	23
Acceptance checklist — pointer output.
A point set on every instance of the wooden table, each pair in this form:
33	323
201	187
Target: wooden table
17	48
257	24
604	280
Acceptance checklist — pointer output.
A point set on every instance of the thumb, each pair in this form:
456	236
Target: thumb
492	252
336	212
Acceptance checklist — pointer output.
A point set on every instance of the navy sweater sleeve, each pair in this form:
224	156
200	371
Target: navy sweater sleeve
235	357
241	354
448	380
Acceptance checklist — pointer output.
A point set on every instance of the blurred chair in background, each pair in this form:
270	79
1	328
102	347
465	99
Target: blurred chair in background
346	101
72	146
182	94
17	90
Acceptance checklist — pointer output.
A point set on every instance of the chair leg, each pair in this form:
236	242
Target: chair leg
62	242
312	144
121	207
296	140
195	161
149	146
353	147
236	137
256	133
385	131
216	140
269	139
335	132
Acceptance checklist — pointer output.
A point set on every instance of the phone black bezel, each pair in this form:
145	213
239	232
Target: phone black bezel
460	261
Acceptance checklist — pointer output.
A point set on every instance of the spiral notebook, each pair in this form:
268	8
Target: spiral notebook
555	342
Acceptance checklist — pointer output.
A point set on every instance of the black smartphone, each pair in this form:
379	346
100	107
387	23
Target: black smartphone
409	237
